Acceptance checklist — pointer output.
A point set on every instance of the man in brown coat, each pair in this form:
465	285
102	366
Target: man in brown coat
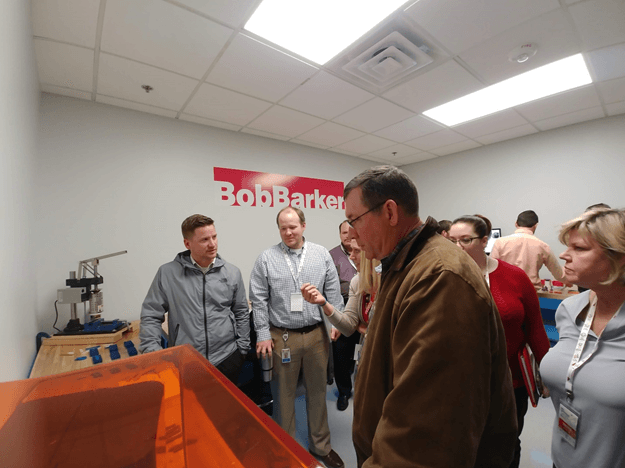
433	387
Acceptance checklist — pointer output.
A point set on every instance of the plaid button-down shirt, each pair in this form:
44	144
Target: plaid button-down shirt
272	283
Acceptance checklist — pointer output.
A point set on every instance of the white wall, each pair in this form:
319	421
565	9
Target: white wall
557	173
111	179
19	101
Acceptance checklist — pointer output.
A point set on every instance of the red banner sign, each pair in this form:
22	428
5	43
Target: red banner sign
247	188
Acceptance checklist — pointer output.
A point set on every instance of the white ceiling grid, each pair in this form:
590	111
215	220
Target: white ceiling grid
203	67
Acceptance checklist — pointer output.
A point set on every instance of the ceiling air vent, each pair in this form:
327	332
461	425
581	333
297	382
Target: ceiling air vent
388	61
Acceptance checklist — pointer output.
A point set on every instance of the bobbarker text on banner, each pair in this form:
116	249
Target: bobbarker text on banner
235	187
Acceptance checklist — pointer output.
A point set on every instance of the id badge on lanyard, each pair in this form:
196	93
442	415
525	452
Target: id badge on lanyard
568	422
285	354
568	416
297	302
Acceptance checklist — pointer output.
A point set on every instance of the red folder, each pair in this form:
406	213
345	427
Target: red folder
531	374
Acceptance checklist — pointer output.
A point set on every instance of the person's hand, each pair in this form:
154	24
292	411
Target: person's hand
334	334
311	294
362	328
264	347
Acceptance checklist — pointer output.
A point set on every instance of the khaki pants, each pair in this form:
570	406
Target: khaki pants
309	353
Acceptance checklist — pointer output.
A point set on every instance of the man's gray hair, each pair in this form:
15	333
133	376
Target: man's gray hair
382	183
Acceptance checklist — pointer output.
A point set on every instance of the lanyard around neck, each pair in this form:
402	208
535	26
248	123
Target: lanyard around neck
299	268
577	361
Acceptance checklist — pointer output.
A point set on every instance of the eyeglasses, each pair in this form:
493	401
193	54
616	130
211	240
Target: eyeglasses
464	240
351	223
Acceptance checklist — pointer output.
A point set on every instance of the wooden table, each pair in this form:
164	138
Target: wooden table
553	295
58	353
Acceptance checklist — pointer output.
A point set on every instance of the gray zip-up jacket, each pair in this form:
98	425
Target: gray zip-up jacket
208	311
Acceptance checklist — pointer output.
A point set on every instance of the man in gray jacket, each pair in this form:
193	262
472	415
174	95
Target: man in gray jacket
205	298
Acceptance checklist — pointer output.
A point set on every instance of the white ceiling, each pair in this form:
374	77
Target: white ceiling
205	68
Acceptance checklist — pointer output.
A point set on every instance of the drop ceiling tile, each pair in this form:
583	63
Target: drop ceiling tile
409	129
600	23
455	148
261	71
265	134
552	33
373	115
309	143
572	118
366	144
227	11
331	134
438	86
283	121
376	160
224	105
608	63
135	106
612	91
436	140
338	150
415	158
616	108
209	122
64	65
122	78
163	35
401	151
46	88
563	103
73	21
326	96
496	122
509	134
461	24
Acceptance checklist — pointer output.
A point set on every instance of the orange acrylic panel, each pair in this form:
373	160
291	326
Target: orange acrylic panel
169	408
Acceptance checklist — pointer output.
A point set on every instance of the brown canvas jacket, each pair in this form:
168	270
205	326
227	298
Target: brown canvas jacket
434	388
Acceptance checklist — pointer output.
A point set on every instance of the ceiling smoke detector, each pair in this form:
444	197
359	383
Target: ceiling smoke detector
523	53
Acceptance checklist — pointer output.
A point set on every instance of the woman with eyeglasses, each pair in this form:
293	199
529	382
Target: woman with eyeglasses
516	300
585	371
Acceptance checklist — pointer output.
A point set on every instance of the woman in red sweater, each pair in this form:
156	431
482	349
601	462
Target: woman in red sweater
516	301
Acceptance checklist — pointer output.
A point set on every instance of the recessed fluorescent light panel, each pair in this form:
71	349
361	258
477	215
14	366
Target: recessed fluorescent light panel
318	29
556	77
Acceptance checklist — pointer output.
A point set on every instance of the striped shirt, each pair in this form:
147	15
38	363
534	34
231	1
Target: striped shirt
272	282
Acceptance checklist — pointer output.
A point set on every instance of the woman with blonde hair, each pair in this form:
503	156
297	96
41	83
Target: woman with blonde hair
585	371
362	291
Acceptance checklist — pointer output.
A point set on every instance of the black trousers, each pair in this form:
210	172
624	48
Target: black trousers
521	397
343	354
232	365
